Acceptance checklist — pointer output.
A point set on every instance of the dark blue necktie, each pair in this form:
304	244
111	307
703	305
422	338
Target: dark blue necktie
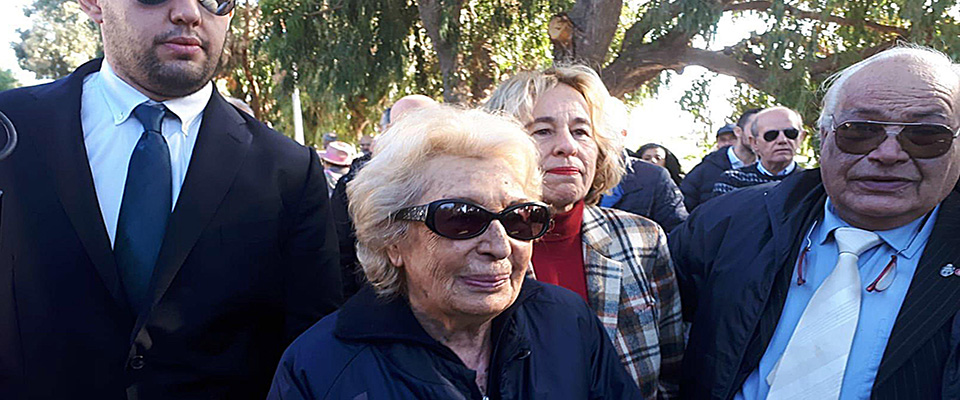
147	196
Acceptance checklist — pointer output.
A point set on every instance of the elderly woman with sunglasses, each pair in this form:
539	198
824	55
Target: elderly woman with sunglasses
617	261
446	212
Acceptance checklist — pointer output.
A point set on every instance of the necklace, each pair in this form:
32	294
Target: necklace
887	275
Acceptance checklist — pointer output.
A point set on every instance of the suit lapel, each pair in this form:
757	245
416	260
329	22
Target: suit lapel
63	145
931	299
221	146
603	273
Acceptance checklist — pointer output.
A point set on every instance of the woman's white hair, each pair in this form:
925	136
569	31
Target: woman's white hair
834	84
396	177
518	95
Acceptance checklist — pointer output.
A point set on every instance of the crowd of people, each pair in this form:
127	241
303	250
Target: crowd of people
158	242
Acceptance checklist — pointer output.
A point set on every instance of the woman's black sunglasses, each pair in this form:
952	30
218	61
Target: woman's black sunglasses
217	7
790	133
461	219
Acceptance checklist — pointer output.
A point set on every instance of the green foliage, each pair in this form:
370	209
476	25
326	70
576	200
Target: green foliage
7	80
60	39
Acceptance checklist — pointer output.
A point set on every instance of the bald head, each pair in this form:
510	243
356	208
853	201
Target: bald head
409	103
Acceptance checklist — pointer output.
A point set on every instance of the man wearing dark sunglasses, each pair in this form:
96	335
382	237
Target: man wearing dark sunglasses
775	134
847	284
156	242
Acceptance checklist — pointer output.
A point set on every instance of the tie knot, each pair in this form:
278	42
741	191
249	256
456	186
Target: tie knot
151	116
855	241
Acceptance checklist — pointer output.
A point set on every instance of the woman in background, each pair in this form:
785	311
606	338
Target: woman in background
658	155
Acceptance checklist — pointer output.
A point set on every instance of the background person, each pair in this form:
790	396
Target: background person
697	186
658	155
447	312
156	242
336	162
775	134
617	261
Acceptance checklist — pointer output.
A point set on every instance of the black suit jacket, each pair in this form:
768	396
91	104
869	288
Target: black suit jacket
734	264
248	262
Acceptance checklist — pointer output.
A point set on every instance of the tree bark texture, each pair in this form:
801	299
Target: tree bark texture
444	38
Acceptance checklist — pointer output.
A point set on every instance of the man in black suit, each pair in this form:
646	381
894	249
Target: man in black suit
842	281
156	243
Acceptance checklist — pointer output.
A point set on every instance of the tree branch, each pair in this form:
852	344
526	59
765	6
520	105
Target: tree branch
643	63
766	5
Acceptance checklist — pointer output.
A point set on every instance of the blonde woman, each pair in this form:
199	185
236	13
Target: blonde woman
617	261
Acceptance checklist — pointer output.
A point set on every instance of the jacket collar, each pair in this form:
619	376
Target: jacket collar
719	158
366	317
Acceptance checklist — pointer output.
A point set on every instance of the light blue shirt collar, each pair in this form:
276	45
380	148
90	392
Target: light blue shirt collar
121	99
735	161
786	171
897	238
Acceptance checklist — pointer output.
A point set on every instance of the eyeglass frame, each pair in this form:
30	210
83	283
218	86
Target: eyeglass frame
425	213
902	125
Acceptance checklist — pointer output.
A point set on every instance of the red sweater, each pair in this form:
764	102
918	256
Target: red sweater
558	255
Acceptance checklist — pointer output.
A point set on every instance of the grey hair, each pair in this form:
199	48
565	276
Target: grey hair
835	83
396	178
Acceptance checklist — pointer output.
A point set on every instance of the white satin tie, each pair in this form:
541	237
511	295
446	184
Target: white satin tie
813	363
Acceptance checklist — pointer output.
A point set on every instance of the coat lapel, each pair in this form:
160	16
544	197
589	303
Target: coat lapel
603	273
222	143
931	299
62	141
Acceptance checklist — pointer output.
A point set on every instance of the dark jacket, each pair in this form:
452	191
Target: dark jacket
750	175
697	186
547	345
734	264
648	191
248	262
351	275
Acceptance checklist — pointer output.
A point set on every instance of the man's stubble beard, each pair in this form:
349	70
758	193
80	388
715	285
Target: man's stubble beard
171	80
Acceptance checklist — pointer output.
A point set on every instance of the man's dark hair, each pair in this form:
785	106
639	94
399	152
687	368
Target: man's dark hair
745	116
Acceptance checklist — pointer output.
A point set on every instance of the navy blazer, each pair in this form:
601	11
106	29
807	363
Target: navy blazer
546	345
734	258
248	262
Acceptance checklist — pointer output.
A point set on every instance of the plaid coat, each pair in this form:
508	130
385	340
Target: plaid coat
633	290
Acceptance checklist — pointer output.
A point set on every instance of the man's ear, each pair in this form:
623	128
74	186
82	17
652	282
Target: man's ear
737	132
753	142
93	10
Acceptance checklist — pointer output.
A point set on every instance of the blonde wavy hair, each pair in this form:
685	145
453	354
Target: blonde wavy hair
518	95
396	178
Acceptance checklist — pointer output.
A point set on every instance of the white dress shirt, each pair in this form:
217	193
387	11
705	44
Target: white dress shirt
110	133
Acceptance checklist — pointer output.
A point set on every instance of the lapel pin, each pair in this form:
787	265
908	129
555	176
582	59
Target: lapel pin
948	270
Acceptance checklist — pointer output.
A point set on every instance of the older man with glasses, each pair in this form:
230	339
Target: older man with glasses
847	286
775	135
157	243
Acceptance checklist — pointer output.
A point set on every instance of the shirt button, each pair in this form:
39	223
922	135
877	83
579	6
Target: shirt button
137	362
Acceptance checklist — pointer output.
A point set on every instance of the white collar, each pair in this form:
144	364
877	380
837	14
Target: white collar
121	99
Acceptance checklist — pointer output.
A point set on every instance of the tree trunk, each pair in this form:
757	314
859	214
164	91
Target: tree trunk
595	22
445	36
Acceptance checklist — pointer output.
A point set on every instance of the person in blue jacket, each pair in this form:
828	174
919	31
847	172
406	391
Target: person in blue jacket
445	213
